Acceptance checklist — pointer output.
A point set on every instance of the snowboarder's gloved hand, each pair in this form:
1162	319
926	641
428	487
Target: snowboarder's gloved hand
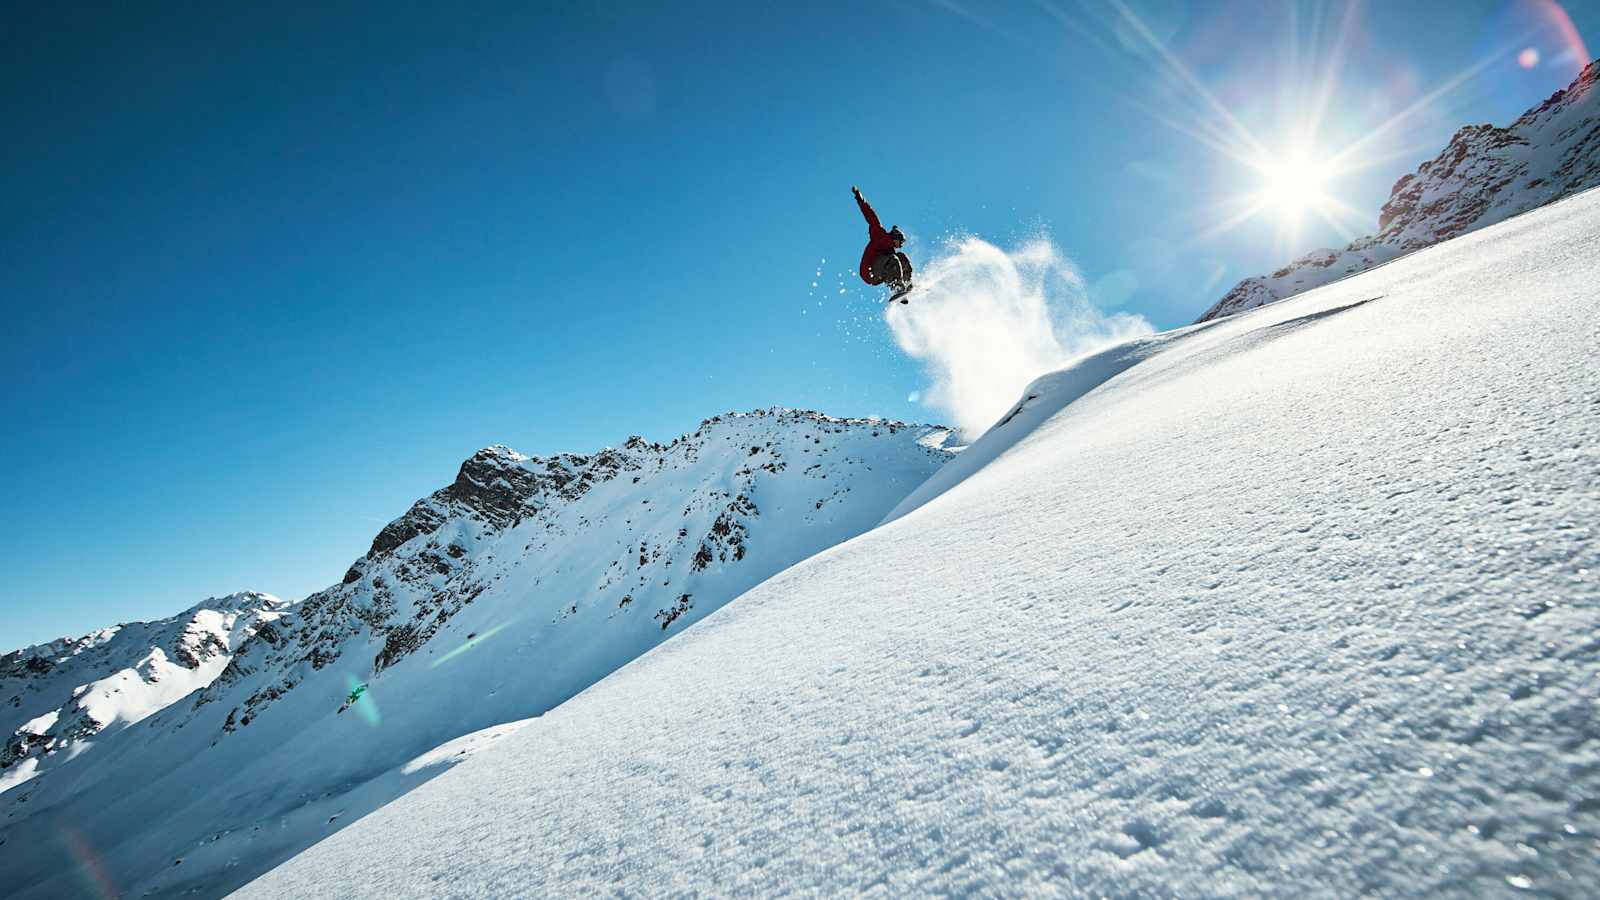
855	190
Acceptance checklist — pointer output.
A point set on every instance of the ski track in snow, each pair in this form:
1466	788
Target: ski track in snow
1301	600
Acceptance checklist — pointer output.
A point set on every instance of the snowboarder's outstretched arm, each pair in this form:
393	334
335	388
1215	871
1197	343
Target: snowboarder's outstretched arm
874	227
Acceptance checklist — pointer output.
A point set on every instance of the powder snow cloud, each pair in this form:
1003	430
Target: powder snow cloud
986	321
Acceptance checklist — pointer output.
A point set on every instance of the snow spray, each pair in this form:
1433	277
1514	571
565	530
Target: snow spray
985	322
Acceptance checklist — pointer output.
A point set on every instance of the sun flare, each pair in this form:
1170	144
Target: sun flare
1294	184
1291	182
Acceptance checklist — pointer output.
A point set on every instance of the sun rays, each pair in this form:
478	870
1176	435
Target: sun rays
1288	172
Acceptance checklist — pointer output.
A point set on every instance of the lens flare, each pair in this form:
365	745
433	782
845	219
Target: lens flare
360	699
471	642
1573	50
1546	51
90	868
1311	127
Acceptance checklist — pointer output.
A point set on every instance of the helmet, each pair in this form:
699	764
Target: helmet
898	235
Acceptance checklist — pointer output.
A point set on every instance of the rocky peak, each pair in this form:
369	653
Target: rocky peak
1580	91
496	486
57	694
22	663
241	602
212	626
427	566
499	487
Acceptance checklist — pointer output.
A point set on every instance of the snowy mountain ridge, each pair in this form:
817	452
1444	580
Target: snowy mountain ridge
425	567
490	601
1485	175
58	696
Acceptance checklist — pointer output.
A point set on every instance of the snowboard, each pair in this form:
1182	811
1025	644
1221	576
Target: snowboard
901	294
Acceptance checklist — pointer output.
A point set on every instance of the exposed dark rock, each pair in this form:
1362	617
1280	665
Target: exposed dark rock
670	614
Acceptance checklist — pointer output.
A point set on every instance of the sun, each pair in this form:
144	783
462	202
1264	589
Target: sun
1294	184
1297	180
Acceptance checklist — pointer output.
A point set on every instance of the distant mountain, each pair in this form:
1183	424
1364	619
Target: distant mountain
490	601
55	697
1486	175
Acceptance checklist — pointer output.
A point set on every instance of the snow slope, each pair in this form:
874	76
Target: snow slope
490	601
56	699
1485	175
1300	601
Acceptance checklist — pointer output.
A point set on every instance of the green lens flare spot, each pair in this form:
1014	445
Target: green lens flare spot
360	699
470	643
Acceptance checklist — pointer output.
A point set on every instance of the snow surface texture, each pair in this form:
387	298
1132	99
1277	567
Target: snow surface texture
1486	175
490	601
57	699
985	321
1300	601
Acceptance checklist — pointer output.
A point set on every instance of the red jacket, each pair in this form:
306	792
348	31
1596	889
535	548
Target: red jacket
878	241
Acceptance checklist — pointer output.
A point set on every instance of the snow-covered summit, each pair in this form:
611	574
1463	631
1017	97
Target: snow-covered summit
1485	175
665	517
1302	602
56	697
490	601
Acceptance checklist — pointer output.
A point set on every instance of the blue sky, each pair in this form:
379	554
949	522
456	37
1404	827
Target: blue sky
270	274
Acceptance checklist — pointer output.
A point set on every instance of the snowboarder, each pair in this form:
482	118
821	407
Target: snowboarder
882	262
